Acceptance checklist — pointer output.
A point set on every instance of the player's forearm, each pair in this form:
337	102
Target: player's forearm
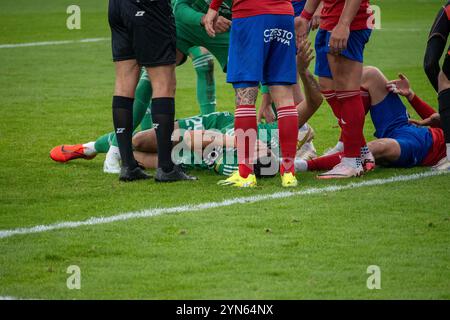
311	87
423	109
211	138
186	14
312	5
350	10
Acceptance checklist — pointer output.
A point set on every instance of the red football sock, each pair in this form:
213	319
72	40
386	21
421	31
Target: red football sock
422	108
288	132
245	128
365	99
325	162
352	121
330	96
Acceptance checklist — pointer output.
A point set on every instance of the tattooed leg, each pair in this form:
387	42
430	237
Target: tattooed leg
246	128
246	96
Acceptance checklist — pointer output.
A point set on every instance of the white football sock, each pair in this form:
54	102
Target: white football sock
89	148
448	151
300	165
339	146
113	155
352	162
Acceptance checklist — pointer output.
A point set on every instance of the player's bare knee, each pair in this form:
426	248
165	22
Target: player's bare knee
444	82
371	74
326	84
164	88
127	76
138	140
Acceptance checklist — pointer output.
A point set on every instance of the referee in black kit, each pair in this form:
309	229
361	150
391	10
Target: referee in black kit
143	34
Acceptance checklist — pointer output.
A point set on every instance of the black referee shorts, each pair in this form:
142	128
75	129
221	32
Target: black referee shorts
143	30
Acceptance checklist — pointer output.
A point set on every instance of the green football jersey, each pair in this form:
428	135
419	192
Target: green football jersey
268	133
224	161
203	6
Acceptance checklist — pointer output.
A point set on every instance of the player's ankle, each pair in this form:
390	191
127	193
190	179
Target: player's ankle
354	163
245	170
287	166
301	165
89	149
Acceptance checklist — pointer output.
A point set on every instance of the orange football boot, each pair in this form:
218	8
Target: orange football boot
66	152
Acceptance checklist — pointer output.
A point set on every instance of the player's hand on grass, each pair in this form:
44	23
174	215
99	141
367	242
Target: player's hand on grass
304	55
433	121
222	25
209	22
400	86
339	38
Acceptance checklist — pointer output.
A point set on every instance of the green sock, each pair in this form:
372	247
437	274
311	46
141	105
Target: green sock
102	144
206	85
147	122
142	99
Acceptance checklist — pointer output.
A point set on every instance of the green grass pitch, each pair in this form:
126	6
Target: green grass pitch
302	247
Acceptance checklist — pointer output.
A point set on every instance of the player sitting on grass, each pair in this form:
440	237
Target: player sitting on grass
401	142
144	141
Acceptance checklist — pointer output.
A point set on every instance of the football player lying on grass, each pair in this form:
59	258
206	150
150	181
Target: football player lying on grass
215	129
204	142
401	142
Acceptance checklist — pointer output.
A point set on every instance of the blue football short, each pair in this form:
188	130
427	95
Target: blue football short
355	49
262	50
391	121
298	7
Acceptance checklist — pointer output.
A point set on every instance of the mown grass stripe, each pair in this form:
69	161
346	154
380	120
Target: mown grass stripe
210	205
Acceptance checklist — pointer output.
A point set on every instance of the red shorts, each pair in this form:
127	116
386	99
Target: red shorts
438	149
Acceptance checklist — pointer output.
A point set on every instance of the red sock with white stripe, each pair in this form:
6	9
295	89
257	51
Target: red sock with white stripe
352	121
288	133
365	96
245	128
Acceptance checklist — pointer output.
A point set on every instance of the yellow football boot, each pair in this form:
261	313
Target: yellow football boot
288	180
236	180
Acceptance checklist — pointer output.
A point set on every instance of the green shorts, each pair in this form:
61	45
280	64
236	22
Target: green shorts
189	36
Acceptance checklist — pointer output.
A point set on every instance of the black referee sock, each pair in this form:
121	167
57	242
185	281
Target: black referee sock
163	116
123	124
444	111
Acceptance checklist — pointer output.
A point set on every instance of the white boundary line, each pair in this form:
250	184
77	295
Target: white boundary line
210	205
50	43
88	40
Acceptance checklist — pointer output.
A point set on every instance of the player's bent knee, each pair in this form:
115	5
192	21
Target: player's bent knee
163	88
444	82
138	140
385	150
